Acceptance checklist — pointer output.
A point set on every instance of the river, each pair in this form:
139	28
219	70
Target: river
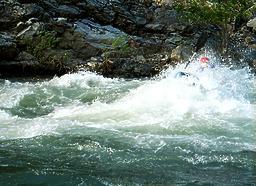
84	129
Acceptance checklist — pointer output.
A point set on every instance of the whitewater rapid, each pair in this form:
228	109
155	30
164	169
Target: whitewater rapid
87	99
88	129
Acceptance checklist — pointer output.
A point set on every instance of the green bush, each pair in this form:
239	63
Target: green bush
218	12
121	44
38	44
43	48
120	48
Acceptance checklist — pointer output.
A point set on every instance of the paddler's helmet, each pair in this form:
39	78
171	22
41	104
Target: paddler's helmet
204	61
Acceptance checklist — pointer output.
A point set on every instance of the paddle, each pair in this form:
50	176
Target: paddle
190	59
199	45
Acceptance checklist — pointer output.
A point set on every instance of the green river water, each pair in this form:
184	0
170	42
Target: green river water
84	129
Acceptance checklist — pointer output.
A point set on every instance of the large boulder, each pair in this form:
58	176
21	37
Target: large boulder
25	65
130	68
89	39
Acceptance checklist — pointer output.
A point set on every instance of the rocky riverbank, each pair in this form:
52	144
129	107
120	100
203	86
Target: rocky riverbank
116	38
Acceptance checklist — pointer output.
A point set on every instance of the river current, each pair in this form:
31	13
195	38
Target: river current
84	129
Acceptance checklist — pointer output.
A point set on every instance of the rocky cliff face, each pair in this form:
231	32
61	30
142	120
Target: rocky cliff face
124	38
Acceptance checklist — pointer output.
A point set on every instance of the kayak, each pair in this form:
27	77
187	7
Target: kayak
188	78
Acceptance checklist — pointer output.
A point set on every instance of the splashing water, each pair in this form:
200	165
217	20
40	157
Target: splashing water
84	129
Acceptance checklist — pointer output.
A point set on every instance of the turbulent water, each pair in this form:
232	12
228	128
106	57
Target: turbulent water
84	129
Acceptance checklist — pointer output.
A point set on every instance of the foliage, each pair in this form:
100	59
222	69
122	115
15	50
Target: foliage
43	47
121	44
120	47
250	11
218	12
37	45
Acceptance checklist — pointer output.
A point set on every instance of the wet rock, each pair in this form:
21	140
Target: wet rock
147	46
60	25
201	41
128	68
155	27
18	68
30	31
96	33
140	21
33	10
133	66
253	64
68	11
165	20
25	56
11	12
140	58
165	16
25	65
154	37
102	11
76	41
8	47
175	39
28	69
128	15
180	53
89	39
27	1
49	5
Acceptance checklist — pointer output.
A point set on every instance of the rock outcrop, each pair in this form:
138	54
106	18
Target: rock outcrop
117	38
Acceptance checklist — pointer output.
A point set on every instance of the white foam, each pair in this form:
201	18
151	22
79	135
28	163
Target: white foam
162	103
82	79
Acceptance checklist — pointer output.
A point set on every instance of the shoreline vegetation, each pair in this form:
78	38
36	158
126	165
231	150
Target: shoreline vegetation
128	39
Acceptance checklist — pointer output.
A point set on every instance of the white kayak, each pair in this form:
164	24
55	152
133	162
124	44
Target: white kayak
188	78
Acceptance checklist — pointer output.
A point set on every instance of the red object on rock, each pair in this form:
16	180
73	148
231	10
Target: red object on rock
204	59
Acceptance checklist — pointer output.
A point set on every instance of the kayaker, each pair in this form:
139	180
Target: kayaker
205	63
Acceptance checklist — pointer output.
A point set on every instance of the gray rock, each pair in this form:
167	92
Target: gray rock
11	12
141	21
68	11
98	34
166	16
180	53
252	24
33	10
154	27
49	5
8	47
88	38
30	31
128	68
76	41
24	56
176	39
